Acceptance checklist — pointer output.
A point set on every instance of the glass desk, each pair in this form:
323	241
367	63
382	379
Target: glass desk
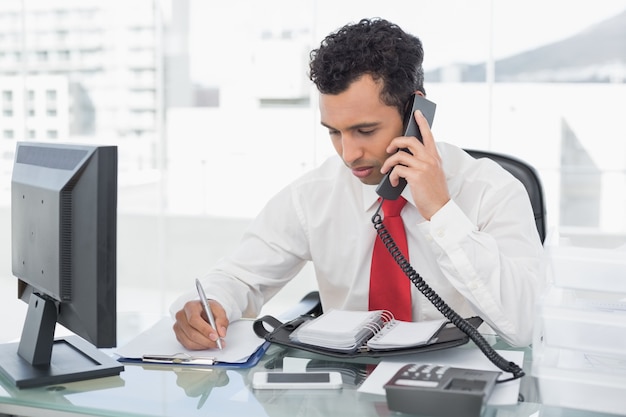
153	390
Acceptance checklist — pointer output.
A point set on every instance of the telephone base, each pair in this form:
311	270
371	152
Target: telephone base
433	390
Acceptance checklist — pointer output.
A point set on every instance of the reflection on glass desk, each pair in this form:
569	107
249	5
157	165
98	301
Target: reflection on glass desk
157	390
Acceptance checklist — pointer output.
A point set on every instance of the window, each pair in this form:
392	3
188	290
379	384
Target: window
186	104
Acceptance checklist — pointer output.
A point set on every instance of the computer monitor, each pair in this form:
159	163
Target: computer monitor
63	234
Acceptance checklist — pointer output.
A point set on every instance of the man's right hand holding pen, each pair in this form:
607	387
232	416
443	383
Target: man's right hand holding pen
192	326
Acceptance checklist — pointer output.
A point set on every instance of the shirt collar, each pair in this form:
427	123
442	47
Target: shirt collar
370	197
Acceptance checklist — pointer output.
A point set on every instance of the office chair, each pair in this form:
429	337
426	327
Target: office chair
527	176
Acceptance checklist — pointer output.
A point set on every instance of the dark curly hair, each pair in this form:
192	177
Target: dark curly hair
372	46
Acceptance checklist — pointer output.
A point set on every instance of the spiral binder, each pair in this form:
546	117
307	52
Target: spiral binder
349	331
274	331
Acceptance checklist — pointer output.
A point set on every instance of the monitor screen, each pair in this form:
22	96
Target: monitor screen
63	238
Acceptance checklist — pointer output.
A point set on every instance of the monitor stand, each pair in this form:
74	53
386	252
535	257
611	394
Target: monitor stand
39	359
73	359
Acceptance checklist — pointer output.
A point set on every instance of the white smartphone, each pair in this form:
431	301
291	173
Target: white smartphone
296	380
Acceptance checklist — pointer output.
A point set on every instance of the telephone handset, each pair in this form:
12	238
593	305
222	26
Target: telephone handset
388	192
427	107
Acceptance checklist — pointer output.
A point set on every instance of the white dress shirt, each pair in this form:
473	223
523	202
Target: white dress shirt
481	252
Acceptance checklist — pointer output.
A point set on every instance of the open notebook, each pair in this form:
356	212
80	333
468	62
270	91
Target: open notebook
347	331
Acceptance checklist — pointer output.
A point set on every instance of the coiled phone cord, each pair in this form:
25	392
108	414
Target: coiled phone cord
441	305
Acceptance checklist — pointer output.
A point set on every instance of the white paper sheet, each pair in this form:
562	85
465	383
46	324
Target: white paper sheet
240	343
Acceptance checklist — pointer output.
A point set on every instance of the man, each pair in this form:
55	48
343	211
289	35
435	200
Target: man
469	224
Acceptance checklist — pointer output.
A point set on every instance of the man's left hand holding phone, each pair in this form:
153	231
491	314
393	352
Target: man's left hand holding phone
193	329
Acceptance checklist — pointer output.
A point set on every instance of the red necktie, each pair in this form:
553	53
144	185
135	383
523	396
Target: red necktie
390	289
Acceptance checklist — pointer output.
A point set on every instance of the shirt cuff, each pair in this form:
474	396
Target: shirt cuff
448	225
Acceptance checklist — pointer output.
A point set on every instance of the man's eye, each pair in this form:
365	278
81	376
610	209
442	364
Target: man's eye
367	132
333	132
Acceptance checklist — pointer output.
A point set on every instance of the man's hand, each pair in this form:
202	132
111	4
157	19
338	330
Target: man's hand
422	170
192	327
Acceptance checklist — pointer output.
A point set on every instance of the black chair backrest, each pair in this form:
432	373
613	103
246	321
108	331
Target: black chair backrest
527	176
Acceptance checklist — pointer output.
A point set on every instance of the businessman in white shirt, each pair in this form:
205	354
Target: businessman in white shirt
469	224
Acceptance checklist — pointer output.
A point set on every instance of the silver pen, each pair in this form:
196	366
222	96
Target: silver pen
207	310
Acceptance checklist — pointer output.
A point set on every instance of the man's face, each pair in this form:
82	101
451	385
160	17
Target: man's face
361	127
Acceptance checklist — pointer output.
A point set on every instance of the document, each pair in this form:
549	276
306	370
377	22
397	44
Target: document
460	357
158	344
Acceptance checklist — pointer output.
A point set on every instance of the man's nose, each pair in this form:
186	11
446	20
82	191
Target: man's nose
351	149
